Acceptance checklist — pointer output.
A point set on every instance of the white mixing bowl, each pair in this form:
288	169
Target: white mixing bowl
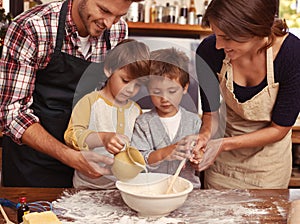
146	193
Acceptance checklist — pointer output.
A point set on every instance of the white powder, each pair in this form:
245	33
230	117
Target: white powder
100	207
202	206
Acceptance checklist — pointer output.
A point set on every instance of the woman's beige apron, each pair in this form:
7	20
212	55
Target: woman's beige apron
263	167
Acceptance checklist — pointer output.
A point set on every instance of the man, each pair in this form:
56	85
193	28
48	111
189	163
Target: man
46	52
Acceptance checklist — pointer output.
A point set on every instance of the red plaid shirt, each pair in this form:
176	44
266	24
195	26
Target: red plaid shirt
29	42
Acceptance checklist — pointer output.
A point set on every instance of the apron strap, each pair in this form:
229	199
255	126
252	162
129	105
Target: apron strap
227	68
106	38
270	67
61	26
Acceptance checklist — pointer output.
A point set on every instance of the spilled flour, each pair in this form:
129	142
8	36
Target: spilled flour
202	206
95	207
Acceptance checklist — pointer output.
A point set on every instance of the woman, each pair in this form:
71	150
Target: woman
255	65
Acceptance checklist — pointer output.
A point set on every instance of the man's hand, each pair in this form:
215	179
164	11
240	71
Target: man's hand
89	164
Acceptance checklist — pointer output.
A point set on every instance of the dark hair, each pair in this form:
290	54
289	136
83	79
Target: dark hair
243	19
131	55
170	63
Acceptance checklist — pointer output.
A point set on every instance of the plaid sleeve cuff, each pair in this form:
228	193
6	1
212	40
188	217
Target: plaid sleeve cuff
18	126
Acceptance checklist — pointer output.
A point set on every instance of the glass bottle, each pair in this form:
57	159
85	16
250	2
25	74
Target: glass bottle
23	209
152	11
183	13
192	13
177	7
169	13
206	3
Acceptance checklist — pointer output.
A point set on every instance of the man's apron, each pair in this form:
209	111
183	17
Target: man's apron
55	87
262	167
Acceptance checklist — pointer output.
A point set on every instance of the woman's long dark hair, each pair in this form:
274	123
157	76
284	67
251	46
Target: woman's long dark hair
241	20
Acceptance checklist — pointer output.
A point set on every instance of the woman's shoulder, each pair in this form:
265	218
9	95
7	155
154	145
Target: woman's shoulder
207	44
290	47
288	57
208	52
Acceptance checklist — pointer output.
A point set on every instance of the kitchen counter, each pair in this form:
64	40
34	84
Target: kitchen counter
202	206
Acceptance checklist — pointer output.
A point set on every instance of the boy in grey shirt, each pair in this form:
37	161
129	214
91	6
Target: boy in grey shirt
157	132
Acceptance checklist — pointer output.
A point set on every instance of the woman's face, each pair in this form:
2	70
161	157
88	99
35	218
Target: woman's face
92	17
233	49
166	95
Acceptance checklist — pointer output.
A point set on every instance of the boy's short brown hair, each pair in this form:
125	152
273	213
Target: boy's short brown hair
131	55
171	63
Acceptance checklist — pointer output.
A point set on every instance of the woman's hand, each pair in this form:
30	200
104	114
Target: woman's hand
211	151
195	145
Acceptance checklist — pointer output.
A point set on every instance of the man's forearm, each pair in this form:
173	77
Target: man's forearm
39	139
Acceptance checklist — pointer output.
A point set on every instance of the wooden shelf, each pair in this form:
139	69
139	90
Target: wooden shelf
296	135
166	30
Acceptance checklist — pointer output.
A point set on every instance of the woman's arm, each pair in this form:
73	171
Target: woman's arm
262	137
259	138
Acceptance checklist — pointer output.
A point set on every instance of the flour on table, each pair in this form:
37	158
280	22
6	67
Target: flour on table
201	206
95	207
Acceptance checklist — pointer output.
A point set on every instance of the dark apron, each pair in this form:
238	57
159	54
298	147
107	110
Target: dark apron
56	91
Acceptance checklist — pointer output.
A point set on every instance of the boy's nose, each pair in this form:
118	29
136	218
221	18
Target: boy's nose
130	87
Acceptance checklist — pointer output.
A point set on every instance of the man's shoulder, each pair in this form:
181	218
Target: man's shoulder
117	28
48	11
121	23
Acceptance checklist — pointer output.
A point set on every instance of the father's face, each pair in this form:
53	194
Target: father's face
98	15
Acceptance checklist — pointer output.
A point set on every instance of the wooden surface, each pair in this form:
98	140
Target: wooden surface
166	30
235	206
296	135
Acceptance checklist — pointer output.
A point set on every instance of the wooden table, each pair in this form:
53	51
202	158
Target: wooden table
202	206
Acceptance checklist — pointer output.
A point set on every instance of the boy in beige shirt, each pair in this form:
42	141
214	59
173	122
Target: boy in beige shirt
103	120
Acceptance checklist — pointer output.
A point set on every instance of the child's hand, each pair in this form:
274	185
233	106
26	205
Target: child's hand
113	142
178	153
185	147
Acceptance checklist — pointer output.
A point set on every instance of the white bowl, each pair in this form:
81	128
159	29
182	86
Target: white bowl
146	193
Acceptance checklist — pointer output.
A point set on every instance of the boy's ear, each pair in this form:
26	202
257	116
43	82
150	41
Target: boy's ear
107	73
185	89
